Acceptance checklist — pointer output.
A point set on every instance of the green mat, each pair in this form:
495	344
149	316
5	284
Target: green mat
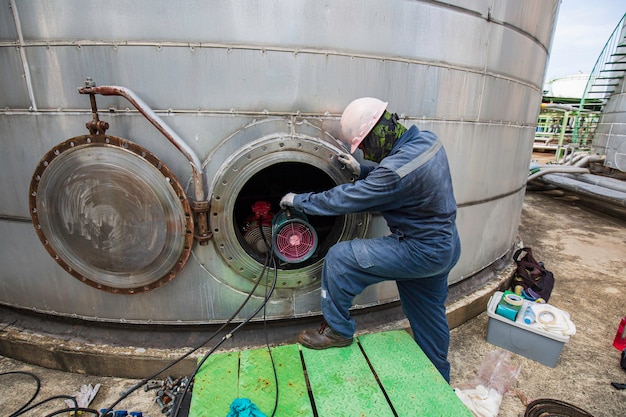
382	374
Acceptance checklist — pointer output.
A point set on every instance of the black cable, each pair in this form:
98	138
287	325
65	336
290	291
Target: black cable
56	397
75	409
267	342
27	407
144	381
37	380
268	257
228	336
269	350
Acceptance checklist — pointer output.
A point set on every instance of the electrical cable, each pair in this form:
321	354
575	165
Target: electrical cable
59	411
144	381
268	258
27	407
37	380
225	338
269	350
268	293
267	342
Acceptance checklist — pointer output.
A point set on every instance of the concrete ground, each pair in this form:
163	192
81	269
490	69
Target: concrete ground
586	251
583	247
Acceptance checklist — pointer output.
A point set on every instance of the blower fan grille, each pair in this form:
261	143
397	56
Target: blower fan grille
256	239
258	227
294	239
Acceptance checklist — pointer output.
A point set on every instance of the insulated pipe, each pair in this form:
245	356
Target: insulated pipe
148	113
574	159
587	159
556	170
593	190
565	107
600	181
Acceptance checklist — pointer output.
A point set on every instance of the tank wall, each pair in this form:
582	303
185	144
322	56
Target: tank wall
471	71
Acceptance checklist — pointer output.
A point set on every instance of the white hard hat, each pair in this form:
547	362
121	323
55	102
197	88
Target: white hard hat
359	118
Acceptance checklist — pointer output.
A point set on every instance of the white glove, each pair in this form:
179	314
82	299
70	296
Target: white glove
287	200
352	164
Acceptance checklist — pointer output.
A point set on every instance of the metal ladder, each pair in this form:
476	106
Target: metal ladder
607	75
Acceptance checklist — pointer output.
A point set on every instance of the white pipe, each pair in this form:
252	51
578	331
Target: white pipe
558	169
589	158
565	107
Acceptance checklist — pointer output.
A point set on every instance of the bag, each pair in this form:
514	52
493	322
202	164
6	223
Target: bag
536	281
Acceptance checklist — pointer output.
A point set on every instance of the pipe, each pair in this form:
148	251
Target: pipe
575	158
557	169
148	113
601	181
565	107
595	190
201	204
587	159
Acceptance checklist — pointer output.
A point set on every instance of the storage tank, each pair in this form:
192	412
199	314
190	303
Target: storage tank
213	107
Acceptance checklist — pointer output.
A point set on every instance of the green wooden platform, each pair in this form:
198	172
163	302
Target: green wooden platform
382	374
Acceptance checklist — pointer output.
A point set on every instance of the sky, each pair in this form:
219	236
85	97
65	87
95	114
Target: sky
582	29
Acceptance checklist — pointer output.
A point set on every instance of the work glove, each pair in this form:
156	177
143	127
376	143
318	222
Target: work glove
287	200
350	162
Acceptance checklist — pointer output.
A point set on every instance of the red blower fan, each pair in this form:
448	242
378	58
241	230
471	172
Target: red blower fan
293	239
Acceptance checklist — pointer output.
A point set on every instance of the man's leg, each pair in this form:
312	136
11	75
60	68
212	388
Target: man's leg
351	266
423	302
341	282
343	277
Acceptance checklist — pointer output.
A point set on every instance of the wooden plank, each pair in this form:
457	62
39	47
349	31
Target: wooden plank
257	382
343	385
215	386
411	381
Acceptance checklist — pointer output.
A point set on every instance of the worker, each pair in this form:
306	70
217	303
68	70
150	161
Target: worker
409	184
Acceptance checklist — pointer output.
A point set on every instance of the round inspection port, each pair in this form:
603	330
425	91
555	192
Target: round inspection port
111	214
252	221
246	195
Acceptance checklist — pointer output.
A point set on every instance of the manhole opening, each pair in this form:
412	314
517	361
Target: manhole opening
269	185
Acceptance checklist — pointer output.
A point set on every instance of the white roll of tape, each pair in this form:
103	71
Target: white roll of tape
513	299
546	317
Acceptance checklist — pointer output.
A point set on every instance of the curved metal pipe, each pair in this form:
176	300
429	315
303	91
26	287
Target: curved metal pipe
557	169
587	159
201	204
148	113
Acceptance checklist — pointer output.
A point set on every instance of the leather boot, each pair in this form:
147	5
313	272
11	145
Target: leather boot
323	338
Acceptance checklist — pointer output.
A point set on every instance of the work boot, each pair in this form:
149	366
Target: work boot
323	338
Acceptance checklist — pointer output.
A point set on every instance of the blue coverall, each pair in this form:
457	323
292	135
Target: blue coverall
412	190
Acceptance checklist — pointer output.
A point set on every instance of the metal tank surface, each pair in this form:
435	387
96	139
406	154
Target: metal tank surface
145	144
